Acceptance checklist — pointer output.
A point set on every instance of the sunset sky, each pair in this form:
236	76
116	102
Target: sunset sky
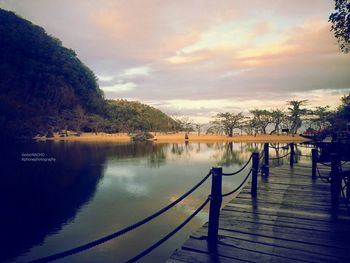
198	58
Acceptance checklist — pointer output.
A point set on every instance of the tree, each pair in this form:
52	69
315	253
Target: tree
228	121
198	128
186	124
341	117
249	126
79	118
296	113
277	117
341	24
321	116
261	119
215	129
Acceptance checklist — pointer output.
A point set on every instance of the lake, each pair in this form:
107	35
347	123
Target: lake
58	195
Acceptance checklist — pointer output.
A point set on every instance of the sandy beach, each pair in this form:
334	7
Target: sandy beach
176	138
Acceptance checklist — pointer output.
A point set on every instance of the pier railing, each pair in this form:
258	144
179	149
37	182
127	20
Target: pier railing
338	178
214	198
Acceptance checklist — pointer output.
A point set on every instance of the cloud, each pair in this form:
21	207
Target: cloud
137	71
220	55
119	87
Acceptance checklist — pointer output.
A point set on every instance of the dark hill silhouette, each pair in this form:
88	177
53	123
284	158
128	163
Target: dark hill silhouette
45	87
40	79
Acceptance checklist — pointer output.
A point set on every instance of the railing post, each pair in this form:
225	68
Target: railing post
291	160
266	169
215	205
255	170
314	155
335	180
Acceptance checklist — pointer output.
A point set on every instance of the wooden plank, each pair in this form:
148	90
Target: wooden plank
278	251
275	220
285	218
233	252
185	255
279	242
300	235
308	211
294	213
314	202
295	207
291	220
323	199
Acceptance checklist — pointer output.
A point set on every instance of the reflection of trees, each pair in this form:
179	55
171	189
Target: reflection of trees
198	150
252	147
277	150
38	198
157	156
177	149
228	156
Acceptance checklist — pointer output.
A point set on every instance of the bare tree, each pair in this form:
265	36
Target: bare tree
198	127
277	116
261	119
228	121
320	117
296	113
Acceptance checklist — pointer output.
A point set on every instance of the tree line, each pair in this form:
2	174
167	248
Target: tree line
259	121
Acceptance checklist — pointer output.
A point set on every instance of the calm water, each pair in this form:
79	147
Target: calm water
94	189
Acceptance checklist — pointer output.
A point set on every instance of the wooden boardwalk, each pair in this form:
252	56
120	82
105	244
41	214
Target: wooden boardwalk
291	220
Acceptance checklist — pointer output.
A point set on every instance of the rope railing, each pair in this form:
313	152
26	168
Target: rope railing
279	147
215	204
310	146
280	157
239	186
178	228
122	231
324	179
304	155
324	164
240	170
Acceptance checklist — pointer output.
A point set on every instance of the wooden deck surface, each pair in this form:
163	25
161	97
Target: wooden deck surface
291	220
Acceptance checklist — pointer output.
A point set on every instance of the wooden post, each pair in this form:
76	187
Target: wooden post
266	169
215	205
255	170
335	180
314	155
291	160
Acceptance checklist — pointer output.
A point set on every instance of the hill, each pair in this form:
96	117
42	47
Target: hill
44	87
135	116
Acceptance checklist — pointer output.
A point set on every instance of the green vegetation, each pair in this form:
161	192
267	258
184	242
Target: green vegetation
141	137
45	88
320	119
341	24
129	116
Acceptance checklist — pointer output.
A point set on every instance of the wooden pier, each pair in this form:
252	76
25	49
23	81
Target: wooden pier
290	220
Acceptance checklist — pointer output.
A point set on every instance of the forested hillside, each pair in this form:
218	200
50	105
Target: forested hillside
135	116
45	87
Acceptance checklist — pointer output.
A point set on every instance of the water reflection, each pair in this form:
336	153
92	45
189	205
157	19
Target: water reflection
94	189
37	199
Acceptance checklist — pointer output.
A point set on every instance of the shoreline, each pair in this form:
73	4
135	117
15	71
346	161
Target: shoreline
176	138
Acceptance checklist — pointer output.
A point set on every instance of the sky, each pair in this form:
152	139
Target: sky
200	57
